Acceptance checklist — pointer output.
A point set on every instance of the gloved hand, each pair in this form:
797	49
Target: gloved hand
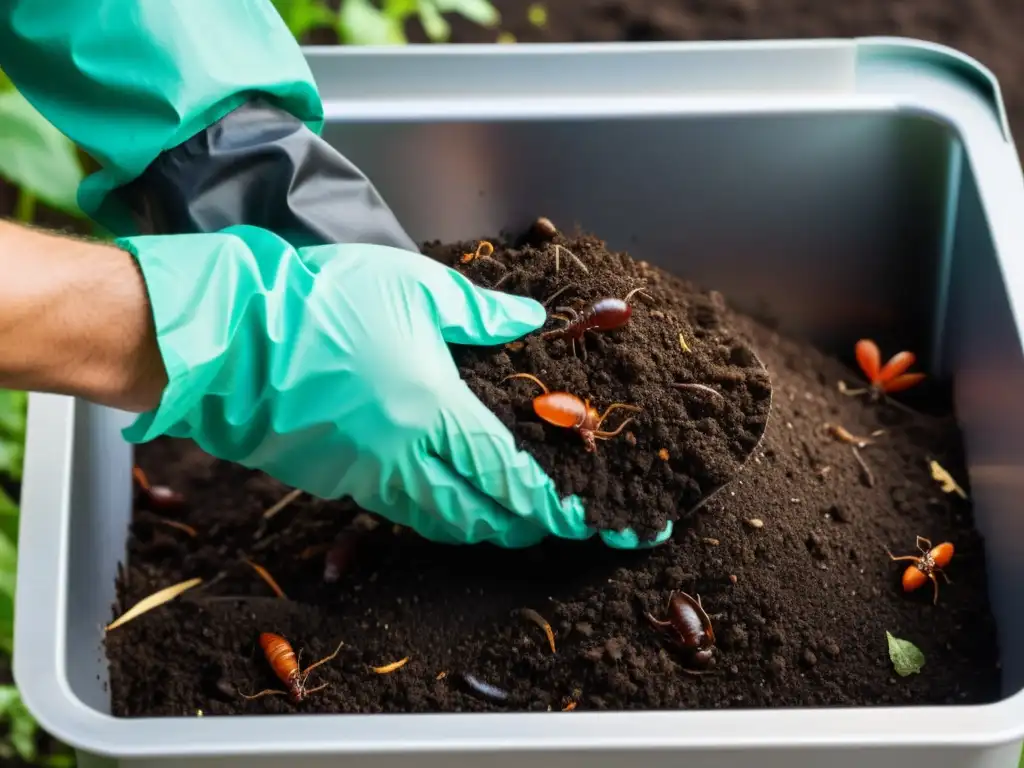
327	368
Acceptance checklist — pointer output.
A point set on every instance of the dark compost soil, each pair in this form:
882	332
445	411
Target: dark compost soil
789	561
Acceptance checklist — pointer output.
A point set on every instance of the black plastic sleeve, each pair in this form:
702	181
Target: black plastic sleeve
260	165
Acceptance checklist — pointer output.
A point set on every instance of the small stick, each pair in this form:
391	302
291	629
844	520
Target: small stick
387	669
557	293
504	277
559	249
175	524
700	387
866	475
282	503
265	575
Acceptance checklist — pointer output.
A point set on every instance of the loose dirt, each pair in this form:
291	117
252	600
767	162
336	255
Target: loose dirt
790	560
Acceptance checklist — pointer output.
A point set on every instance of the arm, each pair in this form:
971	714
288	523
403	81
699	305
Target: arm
183	105
75	319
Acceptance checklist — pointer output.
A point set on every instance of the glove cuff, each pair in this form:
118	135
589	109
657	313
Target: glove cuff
262	166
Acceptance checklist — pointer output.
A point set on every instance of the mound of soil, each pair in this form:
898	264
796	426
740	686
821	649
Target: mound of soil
790	560
685	442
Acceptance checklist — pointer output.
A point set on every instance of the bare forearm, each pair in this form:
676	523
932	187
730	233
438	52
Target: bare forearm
75	319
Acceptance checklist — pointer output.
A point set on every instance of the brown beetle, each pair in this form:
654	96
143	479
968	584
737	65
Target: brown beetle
690	628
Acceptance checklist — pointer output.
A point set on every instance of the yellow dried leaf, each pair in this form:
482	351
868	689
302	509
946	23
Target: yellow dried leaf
949	485
155	600
389	668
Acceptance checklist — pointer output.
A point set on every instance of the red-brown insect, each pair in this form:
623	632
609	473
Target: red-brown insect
602	315
285	663
884	379
690	627
932	561
566	410
156	496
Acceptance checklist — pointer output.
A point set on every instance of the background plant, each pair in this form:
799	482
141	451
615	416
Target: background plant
366	22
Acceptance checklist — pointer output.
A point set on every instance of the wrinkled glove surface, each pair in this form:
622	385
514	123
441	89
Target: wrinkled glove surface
327	368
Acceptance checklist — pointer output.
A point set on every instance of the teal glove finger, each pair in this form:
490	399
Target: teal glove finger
472	439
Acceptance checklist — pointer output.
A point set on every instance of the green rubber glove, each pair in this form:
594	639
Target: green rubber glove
328	369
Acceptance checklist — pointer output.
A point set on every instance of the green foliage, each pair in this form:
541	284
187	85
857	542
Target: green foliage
906	657
35	156
382	22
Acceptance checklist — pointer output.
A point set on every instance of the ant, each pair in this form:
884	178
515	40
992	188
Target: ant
563	409
932	561
605	314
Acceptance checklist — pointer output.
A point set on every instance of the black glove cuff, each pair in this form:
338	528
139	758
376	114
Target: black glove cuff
260	165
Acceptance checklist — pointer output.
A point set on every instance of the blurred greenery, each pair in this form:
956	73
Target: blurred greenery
366	22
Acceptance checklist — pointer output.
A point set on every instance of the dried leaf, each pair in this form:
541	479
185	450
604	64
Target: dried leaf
389	668
949	485
155	600
265	575
540	621
906	657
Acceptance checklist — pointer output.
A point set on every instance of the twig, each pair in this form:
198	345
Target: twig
701	387
573	256
866	475
288	499
265	575
557	293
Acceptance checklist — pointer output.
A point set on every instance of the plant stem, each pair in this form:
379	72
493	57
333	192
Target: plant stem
25	208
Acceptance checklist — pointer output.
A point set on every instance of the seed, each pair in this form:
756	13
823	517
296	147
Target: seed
755	523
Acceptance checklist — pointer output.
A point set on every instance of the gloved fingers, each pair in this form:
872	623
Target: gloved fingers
441	506
468	314
479	448
627	539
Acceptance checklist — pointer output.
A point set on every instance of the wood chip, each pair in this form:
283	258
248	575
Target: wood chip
712	542
945	480
387	669
155	600
442	674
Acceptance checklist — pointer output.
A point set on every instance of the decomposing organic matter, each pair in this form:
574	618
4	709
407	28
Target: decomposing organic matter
788	553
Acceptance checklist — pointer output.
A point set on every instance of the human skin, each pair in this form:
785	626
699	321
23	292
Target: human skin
75	319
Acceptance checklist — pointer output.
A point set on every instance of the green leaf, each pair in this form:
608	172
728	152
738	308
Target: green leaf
301	16
9	516
478	11
906	657
36	156
22	727
434	24
360	22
